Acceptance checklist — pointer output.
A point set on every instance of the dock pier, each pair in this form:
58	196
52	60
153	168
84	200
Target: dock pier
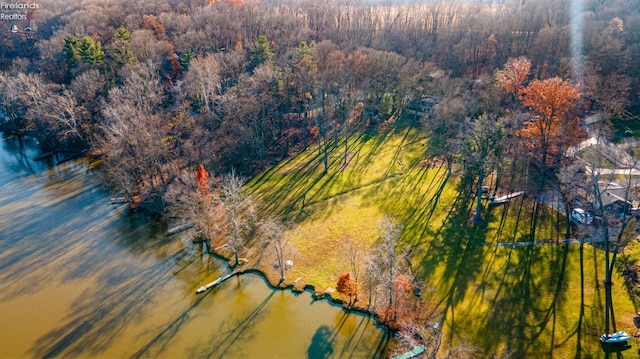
206	287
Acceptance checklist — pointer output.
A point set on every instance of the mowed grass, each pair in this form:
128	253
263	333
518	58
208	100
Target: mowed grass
536	301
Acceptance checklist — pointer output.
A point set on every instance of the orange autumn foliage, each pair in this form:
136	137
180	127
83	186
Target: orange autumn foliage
550	131
151	22
202	178
402	311
401	283
347	285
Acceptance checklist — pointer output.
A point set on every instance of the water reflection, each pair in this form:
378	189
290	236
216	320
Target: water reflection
321	347
82	278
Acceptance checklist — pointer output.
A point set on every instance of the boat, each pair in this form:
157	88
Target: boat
615	348
615	338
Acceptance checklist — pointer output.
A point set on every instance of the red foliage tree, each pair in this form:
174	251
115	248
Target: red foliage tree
400	311
202	177
347	285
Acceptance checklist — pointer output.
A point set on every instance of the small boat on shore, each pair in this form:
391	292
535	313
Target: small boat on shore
615	338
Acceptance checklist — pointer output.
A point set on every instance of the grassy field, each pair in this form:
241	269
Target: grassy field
536	301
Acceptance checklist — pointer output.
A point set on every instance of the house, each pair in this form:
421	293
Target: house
617	199
423	107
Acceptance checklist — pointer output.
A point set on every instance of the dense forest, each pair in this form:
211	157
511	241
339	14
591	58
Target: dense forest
157	87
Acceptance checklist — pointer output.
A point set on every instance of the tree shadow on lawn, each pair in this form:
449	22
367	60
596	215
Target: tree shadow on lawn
280	185
526	305
460	246
286	189
305	182
526	292
413	203
523	288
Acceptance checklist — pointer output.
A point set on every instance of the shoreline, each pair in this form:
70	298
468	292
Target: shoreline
252	268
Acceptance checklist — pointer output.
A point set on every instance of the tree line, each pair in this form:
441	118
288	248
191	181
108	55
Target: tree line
161	87
166	92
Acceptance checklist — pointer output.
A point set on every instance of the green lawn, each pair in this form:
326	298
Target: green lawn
535	301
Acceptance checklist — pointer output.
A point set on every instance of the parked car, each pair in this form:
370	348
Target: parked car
580	216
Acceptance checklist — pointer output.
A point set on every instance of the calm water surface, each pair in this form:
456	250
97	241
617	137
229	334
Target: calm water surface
80	277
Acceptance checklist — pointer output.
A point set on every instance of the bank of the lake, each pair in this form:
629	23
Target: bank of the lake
536	301
80	277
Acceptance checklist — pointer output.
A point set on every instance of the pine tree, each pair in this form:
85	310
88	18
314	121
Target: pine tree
90	51
120	50
185	60
70	51
261	52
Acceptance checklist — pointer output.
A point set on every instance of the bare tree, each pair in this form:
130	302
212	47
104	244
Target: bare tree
482	151
444	130
203	81
571	181
618	228
272	231
239	212
354	253
190	201
388	258
58	111
11	102
134	139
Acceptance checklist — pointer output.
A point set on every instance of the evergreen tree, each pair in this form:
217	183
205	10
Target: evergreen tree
261	52
70	51
85	50
120	50
90	51
185	60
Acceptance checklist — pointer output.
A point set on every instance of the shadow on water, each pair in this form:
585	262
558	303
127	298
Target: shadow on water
125	288
100	315
321	345
163	338
324	341
16	158
229	338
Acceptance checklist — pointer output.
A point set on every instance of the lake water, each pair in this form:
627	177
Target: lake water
80	277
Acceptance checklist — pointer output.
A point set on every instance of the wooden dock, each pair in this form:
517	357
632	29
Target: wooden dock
180	228
411	354
206	287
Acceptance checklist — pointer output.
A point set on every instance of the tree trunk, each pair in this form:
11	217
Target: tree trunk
567	221
478	217
326	157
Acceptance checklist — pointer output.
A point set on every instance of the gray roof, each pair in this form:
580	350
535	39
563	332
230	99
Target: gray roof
613	192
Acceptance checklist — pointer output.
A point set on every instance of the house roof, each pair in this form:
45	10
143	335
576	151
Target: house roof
612	193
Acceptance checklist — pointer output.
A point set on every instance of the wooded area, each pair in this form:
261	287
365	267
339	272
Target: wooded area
159	87
174	95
